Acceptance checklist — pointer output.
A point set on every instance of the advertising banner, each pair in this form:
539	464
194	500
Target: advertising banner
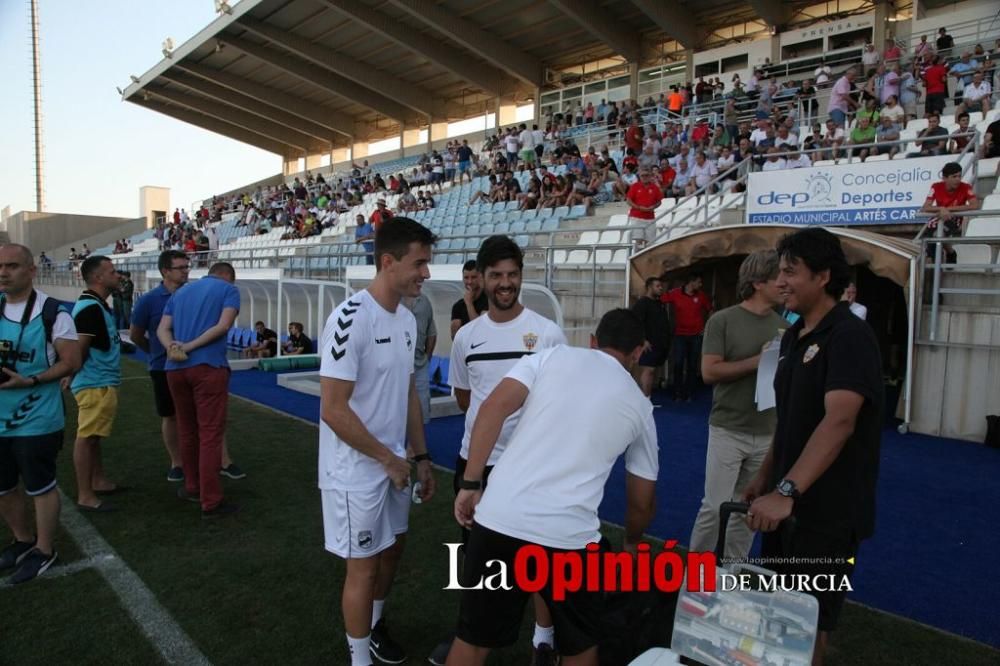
887	192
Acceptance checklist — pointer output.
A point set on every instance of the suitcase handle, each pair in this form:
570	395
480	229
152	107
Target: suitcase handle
727	509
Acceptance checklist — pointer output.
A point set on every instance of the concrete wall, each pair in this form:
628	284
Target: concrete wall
123	230
44	232
152	199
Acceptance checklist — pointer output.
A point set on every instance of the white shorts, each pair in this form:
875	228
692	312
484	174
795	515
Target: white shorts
362	523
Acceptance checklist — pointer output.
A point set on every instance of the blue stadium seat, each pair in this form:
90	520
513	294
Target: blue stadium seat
511	205
544	212
523	240
456	259
516	227
501	228
550	224
561	212
578	211
533	226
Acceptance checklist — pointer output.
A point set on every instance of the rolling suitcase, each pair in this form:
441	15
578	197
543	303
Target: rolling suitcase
746	626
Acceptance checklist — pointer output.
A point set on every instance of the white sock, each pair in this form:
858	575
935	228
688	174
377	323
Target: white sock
377	605
544	635
359	650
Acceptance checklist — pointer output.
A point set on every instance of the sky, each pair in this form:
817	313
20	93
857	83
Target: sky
99	150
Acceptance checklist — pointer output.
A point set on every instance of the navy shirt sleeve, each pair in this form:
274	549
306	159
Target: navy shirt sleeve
140	313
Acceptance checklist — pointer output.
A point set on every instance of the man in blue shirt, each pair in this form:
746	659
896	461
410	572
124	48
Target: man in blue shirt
193	331
95	386
35	356
365	235
174	268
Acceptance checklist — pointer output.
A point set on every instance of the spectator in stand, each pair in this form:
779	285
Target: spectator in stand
423	349
796	159
936	85
991	141
862	135
655	318
893	111
841	100
382	213
739	435
962	135
703	171
909	95
298	342
364	234
870	57
887	132
526	139
774	161
944	43
822	74
634	136
933	140
922	48
691	307
511	145
892	53
949	195
890	83
193	331
869	111
976	96
675	101
963	71
643	197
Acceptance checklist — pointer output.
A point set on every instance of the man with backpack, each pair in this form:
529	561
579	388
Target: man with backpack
38	347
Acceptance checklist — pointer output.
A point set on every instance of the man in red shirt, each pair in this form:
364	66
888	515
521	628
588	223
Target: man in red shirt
950	195
936	81
667	176
644	196
633	136
380	214
691	308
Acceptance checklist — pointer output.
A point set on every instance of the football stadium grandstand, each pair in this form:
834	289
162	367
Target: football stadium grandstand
613	141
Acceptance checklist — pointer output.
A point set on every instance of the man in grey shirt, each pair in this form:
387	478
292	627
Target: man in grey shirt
426	340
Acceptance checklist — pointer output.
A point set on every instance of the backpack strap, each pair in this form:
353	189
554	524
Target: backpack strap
50	310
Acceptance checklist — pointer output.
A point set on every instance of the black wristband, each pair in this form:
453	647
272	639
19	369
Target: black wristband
465	484
422	457
35	381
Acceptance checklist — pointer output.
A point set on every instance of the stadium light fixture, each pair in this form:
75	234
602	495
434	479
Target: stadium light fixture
222	7
135	79
119	90
168	47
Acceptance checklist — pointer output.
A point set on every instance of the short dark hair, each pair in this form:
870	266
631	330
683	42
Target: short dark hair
692	276
167	257
950	169
222	268
819	250
621	330
470	265
651	280
90	265
259	323
496	249
964	114
298	326
394	238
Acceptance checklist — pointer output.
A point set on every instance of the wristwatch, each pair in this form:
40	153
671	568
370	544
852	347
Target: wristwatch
786	488
465	484
35	381
420	457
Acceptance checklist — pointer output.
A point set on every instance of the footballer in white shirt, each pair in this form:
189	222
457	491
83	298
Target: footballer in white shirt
369	411
546	488
482	353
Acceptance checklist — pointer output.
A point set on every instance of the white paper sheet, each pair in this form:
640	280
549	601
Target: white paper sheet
765	375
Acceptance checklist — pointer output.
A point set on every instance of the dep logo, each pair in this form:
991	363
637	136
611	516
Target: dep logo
818	188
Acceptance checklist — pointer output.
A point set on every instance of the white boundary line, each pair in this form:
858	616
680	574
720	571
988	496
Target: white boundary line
166	636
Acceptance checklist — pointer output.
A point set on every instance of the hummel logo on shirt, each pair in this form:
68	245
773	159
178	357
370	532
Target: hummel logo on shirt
382	341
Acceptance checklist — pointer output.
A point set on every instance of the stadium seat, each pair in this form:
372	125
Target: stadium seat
578	211
620	220
551	224
517	227
544	212
589	238
533	226
523	240
501	228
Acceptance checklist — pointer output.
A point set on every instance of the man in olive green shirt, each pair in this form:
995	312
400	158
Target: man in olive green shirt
738	434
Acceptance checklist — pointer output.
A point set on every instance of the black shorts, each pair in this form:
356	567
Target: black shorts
460	464
33	459
492	618
806	543
161	394
653	357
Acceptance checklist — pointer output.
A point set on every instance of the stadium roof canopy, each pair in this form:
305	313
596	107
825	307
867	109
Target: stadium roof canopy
299	77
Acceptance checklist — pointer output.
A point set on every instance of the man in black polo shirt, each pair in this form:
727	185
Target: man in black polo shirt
656	328
473	301
823	464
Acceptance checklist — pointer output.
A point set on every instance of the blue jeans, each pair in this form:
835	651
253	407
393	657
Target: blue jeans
685	358
839	117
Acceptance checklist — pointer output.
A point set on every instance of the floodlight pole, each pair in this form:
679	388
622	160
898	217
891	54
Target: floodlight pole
37	81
